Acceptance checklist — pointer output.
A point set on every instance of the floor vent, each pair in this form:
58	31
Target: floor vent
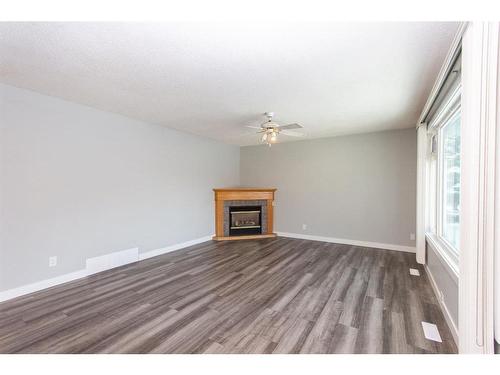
414	272
431	332
108	261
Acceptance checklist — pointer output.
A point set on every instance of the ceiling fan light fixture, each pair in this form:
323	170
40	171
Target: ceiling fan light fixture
270	130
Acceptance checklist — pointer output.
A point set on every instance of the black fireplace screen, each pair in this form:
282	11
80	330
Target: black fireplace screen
244	220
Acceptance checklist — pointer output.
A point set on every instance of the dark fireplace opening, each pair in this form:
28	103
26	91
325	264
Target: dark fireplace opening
245	220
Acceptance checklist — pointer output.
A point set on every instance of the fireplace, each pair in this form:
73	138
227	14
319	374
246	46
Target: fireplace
243	213
245	220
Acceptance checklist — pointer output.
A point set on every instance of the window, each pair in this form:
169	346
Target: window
443	180
450	177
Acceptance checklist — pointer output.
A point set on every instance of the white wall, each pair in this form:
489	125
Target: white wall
497	230
357	187
78	183
445	281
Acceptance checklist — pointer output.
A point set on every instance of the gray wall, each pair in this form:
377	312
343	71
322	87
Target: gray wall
358	187
446	283
77	183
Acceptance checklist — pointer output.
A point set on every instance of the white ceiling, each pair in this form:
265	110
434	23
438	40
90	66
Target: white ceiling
213	79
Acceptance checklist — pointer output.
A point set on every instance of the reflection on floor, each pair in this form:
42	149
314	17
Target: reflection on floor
275	295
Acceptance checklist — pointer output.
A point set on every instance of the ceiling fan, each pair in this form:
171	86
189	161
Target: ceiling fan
271	129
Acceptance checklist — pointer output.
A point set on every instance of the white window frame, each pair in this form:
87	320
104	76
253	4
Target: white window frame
434	225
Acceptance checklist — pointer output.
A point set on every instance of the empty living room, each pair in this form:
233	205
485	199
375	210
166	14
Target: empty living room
235	188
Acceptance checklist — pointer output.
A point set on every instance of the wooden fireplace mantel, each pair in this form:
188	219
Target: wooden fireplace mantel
242	194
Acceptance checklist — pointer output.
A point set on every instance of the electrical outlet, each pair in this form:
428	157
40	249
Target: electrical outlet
412	236
304	226
52	261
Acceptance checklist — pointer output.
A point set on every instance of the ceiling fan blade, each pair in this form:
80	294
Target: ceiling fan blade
290	126
243	135
291	134
253	127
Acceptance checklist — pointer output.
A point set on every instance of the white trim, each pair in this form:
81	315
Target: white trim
98	264
422	199
455	45
497	224
377	245
434	226
449	263
39	285
446	312
421	193
477	232
447	109
168	249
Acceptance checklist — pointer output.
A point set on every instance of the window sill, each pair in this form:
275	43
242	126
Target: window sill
447	258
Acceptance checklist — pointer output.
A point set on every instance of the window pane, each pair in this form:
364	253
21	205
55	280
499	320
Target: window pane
451	181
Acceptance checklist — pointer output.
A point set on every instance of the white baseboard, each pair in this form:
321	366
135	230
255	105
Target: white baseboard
95	265
168	249
39	285
444	308
377	245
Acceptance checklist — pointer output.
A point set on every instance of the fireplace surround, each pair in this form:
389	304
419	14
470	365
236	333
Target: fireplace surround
243	213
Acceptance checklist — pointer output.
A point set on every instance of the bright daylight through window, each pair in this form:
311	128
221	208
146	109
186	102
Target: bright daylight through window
450	175
444	179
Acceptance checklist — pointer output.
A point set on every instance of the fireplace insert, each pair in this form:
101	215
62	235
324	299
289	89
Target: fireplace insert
244	220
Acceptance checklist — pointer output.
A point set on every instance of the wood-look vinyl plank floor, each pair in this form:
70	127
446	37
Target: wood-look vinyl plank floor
276	295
